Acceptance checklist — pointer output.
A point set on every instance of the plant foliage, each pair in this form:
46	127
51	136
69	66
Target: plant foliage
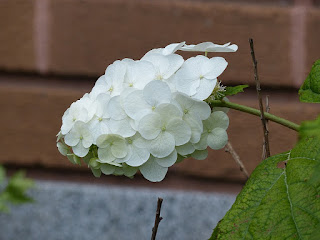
279	201
310	90
15	190
234	90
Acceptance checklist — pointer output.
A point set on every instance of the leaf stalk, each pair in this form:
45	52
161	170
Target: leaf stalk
253	111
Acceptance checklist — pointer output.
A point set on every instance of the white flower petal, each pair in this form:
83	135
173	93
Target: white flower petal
80	150
115	109
139	73
175	62
180	131
138	156
105	155
223	48
210	47
121	127
205	89
193	106
168	111
200	154
172	48
72	138
217	139
135	105
185	149
195	126
214	67
217	119
169	160
157	92
203	143
162	145
150	126
152	171
107	169
119	148
201	47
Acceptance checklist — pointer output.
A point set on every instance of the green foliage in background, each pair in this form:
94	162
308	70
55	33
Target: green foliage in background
310	128
310	90
14	191
281	199
234	90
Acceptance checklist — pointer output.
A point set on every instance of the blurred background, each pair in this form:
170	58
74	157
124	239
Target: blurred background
53	51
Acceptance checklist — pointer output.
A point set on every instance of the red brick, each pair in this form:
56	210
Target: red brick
86	35
16	36
313	40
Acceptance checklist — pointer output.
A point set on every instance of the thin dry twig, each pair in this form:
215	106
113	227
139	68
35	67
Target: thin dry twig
256	78
267	110
157	219
235	156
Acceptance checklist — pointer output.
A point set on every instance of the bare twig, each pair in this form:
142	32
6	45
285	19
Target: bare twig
264	145
235	156
157	219
263	120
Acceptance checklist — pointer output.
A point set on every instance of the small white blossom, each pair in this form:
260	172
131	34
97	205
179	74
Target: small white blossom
214	132
198	76
79	138
111	147
165	129
209	47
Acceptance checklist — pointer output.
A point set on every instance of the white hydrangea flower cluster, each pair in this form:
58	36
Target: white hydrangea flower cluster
148	114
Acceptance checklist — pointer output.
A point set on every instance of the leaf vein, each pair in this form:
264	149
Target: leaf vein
289	199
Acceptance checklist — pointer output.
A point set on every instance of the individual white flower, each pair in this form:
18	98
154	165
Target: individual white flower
111	147
112	81
119	122
138	74
198	76
165	129
76	112
98	125
141	102
194	111
169	49
165	65
209	47
138	153
214	132
152	171
79	138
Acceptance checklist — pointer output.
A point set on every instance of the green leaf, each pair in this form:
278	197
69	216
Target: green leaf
15	192
316	234
310	128
310	90
2	174
234	90
278	201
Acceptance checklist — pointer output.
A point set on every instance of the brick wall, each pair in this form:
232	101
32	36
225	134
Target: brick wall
52	51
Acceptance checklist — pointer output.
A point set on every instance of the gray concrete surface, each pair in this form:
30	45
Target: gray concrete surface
75	211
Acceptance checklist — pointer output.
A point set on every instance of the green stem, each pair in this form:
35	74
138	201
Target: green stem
242	108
